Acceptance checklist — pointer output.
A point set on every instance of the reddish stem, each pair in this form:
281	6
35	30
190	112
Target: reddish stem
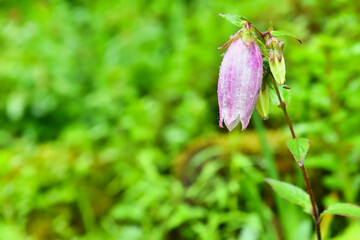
301	164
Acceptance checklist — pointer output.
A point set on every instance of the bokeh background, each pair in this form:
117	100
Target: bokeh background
109	121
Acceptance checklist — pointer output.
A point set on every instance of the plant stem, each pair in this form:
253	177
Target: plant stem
301	164
283	107
312	199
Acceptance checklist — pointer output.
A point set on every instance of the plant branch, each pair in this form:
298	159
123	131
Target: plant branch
301	164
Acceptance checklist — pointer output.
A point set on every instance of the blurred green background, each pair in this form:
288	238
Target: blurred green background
109	121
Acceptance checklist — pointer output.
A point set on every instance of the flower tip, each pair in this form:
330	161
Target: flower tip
233	124
244	123
243	127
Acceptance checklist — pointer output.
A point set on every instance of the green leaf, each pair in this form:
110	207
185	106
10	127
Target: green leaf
284	33
299	148
343	209
234	19
292	194
285	94
184	213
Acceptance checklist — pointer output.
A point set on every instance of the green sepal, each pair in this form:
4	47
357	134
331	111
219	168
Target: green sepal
232	38
284	33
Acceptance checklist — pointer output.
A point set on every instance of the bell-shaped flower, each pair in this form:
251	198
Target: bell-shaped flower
240	79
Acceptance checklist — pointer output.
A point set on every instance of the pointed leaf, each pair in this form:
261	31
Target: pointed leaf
292	194
299	148
234	19
284	33
343	209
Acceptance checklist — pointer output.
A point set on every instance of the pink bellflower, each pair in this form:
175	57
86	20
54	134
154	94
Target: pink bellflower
240	79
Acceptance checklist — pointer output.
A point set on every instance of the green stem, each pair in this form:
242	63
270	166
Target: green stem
301	165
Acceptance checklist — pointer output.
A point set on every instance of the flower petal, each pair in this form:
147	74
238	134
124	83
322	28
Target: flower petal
239	83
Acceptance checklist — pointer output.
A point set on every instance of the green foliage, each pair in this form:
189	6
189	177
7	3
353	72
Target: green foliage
292	194
108	114
344	209
299	148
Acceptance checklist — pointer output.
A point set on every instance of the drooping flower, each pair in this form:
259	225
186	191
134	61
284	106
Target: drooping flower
239	84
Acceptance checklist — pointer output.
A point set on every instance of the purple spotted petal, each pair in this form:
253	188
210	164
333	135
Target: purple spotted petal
239	83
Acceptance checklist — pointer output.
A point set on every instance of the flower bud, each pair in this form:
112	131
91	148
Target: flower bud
239	82
276	61
262	104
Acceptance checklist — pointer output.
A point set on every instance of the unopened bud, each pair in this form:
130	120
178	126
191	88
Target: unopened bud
278	69
276	59
262	104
